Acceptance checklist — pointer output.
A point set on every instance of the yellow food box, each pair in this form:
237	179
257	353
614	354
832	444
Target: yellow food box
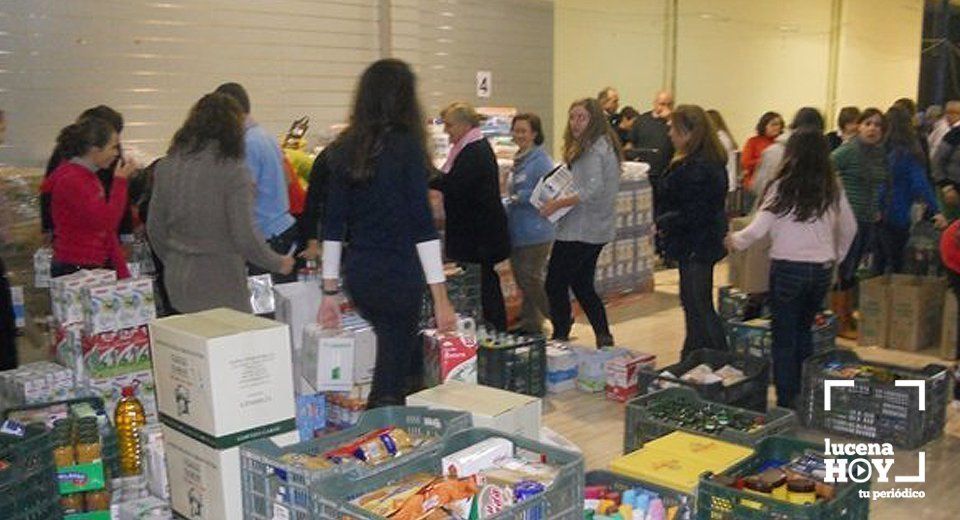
677	460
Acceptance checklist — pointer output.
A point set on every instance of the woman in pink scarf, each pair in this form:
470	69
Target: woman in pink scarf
476	222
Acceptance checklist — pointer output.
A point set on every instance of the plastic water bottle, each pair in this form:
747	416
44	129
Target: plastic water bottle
129	419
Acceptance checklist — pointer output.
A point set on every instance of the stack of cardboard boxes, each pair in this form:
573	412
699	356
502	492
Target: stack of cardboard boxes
102	335
902	312
223	378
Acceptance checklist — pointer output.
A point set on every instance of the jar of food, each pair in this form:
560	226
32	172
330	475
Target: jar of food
63	453
98	500
72	503
801	491
88	447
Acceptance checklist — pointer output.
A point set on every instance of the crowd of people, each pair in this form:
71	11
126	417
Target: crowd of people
220	209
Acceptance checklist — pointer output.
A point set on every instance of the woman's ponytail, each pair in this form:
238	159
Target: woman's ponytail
76	139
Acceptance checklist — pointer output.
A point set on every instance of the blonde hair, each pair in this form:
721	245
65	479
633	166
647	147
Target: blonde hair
463	112
598	128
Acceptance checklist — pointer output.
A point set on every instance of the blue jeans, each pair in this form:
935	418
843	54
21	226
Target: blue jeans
797	291
864	243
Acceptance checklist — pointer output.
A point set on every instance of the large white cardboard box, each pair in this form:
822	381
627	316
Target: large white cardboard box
491	407
223	375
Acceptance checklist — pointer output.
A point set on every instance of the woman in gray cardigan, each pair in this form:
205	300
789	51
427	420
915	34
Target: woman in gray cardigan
201	212
592	151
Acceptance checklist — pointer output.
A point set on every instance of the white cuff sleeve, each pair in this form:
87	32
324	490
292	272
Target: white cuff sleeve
431	260
331	259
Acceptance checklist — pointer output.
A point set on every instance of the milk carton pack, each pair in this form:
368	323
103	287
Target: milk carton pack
591	366
449	357
116	352
365	348
42	261
334	360
622	375
110	389
66	293
561	368
137	302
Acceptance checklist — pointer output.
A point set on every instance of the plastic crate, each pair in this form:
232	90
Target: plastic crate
752	339
109	450
718	502
563	500
619	483
751	393
521	368
875	410
642	426
463	290
269	484
28	486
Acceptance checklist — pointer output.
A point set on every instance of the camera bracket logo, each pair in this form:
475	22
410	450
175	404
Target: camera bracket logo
859	462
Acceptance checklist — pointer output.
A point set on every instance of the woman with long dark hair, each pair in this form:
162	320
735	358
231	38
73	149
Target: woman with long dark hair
86	217
592	151
377	201
692	221
908	183
811	226
201	212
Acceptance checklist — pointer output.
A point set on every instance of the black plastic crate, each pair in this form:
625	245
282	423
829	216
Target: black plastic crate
718	502
520	367
756	339
643	425
28	486
463	290
873	409
751	393
683	503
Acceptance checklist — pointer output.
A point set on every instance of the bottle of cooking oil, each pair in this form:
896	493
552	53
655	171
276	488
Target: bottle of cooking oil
129	419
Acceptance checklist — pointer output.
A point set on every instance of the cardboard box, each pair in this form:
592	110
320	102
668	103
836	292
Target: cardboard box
205	482
297	305
327	358
311	415
449	357
622	382
750	269
916	310
948	331
365	348
874	305
224	374
491	407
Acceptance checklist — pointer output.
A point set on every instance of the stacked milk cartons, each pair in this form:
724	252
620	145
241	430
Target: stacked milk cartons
562	368
340	364
40	382
115	340
223	378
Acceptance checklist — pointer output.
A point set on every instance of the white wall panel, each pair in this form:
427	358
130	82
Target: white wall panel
152	59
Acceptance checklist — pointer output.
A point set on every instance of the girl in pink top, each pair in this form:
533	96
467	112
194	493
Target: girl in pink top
811	226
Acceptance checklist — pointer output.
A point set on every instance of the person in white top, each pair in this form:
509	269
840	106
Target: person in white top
811	226
950	119
726	139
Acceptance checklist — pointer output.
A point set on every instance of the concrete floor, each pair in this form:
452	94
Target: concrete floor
653	323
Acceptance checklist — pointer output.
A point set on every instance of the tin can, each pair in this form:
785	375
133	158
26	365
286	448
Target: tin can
527	490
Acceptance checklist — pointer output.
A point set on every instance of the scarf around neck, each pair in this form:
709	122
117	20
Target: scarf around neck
470	137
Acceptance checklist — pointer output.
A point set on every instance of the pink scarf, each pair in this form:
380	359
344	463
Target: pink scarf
472	136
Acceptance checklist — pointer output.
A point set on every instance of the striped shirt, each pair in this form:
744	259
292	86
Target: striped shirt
863	171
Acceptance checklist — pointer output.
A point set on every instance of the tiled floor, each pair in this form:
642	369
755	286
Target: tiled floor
653	323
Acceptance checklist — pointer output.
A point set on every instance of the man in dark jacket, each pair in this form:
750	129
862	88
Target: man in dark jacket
650	143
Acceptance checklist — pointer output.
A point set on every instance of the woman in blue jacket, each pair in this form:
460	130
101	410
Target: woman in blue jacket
908	184
530	234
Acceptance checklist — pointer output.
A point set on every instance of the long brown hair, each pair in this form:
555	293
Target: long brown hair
720	124
598	128
807	184
703	143
215	118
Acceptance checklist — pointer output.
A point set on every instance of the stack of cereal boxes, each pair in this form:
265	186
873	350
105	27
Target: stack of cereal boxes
102	333
626	265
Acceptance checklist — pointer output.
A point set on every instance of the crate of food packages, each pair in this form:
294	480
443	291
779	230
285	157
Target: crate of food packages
755	337
734	304
28	478
875	407
718	376
783	479
278	479
481	472
606	493
512	362
463	290
656	414
50	413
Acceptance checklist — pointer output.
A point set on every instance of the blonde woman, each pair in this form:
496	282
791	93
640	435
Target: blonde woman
592	151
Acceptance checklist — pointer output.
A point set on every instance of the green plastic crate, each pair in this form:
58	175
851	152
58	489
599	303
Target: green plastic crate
269	484
619	483
718	502
873	410
642	427
28	486
563	500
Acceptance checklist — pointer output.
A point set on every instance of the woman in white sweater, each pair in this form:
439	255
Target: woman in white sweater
811	226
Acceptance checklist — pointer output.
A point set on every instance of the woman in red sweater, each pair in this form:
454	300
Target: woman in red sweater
85	218
769	128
